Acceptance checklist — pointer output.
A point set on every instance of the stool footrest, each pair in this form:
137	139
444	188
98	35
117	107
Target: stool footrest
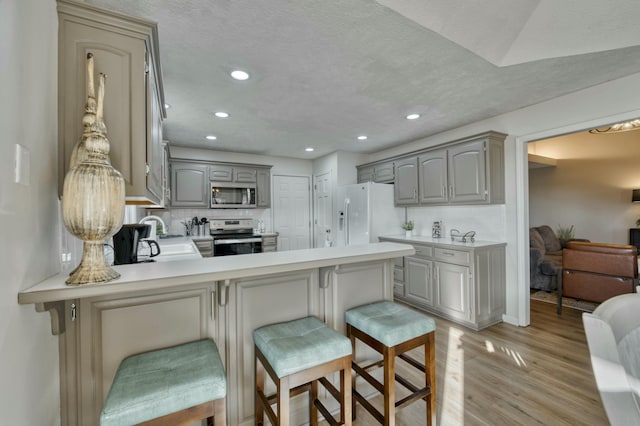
368	377
406	358
419	394
368	406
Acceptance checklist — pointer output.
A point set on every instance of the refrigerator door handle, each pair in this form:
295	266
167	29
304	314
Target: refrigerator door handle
346	222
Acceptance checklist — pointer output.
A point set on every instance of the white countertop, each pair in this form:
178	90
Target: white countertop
446	241
158	275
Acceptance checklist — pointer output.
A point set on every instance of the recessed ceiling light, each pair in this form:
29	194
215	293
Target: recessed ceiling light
211	137
309	149
413	116
167	106
221	114
240	75
362	137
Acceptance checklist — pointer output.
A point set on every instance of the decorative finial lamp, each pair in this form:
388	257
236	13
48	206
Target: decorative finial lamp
93	192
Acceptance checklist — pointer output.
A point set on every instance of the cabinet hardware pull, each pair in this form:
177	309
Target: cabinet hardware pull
73	312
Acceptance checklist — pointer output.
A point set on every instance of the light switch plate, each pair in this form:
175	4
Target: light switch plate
23	165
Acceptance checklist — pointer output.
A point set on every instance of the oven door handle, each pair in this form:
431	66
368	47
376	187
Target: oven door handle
237	241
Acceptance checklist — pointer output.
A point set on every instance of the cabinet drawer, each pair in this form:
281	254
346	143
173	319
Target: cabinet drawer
423	251
398	274
268	241
455	256
398	262
267	249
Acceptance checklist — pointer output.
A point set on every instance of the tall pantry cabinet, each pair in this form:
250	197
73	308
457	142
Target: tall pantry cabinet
125	49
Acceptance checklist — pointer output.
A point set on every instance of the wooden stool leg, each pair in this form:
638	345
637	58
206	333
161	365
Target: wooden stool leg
430	377
283	389
259	410
345	388
313	410
220	407
389	386
353	376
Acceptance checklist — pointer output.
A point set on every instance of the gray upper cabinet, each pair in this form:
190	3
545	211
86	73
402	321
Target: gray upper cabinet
467	172
221	173
189	185
232	173
432	174
382	172
125	50
244	174
406	181
470	171
263	188
365	174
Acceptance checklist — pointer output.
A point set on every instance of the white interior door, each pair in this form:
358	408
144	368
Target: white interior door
292	211
323	210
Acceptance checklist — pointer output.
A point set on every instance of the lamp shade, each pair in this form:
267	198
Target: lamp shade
635	197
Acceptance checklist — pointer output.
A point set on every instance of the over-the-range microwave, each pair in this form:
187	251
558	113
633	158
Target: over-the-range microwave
232	196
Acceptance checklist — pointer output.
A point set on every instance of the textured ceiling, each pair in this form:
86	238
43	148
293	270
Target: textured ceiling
324	72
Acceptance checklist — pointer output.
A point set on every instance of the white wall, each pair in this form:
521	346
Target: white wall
29	221
590	187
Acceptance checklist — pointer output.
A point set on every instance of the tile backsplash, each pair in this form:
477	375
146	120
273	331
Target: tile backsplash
174	218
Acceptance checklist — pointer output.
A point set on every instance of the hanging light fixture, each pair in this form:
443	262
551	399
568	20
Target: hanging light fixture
618	127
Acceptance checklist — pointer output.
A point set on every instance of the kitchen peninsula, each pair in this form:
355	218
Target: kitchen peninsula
155	305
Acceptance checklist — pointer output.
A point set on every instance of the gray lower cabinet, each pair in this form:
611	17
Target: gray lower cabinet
269	243
189	185
205	246
461	282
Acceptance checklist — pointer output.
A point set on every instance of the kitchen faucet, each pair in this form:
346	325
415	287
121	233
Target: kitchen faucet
152	234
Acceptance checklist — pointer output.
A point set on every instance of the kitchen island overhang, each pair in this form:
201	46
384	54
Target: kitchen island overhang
225	299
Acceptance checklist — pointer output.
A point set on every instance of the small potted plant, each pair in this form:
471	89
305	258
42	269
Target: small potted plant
408	227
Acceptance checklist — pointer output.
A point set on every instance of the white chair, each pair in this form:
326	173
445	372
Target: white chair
613	335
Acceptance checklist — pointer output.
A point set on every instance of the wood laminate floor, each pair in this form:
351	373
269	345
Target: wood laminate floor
507	375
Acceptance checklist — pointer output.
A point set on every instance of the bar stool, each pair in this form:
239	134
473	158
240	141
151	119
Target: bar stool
392	329
170	386
297	355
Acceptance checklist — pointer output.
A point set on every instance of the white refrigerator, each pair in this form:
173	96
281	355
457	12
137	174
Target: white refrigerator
366	211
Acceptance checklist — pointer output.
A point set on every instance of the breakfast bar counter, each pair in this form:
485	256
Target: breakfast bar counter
155	305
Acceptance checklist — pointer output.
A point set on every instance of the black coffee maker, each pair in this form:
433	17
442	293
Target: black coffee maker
125	242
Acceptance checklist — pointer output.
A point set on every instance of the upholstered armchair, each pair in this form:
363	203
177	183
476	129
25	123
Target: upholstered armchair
613	336
598	271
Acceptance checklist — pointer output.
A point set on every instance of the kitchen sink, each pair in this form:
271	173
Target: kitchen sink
180	248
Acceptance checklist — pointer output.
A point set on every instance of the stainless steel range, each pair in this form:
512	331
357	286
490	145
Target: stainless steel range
234	236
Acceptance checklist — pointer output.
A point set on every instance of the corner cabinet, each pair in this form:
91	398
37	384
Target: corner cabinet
126	50
461	282
189	185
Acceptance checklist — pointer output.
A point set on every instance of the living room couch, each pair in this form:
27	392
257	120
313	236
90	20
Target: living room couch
545	258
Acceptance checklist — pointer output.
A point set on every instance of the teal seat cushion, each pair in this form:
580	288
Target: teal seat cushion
297	345
156	383
389	323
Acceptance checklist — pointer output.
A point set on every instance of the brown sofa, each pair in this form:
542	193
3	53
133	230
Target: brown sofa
598	271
